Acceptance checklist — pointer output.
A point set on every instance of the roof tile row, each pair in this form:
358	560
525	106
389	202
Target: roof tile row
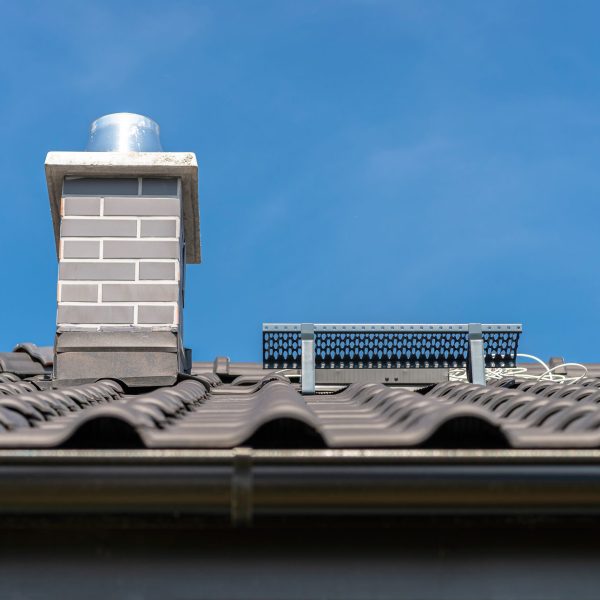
266	410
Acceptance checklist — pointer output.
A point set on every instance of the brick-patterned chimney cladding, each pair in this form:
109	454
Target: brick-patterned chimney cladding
121	254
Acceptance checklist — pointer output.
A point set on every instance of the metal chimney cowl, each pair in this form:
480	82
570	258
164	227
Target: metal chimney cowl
124	132
126	223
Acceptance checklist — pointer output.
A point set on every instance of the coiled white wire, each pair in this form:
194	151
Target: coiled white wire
523	373
502	372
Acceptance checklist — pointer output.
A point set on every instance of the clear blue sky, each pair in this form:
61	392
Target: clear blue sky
360	161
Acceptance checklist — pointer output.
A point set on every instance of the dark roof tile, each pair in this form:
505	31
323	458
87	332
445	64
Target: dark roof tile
265	409
201	412
41	354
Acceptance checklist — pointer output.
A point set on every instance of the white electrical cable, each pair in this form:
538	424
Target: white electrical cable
282	371
536	359
570	364
523	373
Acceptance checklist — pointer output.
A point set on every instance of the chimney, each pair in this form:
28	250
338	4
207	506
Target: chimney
126	222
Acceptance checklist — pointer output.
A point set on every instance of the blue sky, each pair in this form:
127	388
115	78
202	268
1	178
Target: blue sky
360	161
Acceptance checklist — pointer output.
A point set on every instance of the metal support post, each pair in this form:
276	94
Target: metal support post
307	335
476	356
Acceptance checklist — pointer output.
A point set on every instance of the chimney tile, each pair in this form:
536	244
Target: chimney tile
81	206
141	249
103	315
159	228
79	292
80	249
98	227
156	314
157	270
96	270
136	292
142	207
91	186
159	186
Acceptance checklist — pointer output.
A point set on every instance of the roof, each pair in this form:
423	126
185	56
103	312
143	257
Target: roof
227	405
